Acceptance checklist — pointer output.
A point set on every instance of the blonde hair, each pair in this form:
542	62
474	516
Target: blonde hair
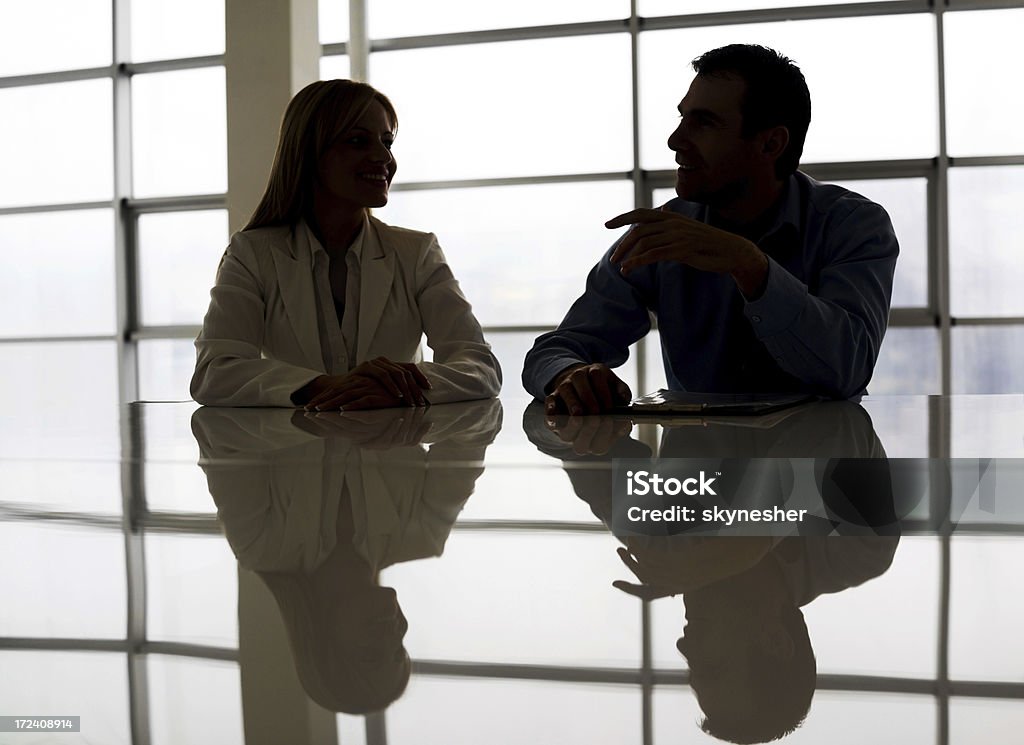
315	117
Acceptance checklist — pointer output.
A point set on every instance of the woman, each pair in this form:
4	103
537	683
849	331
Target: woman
319	305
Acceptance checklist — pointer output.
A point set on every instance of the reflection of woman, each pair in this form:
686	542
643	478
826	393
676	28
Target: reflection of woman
319	304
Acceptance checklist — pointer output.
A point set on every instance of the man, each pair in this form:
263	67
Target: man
761	279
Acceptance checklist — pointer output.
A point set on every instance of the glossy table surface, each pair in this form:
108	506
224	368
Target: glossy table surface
177	574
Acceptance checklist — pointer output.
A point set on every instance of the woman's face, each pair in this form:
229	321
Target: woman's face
356	170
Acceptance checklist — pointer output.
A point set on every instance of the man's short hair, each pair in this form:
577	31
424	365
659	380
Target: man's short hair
776	94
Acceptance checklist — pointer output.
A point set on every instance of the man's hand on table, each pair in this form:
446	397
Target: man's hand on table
590	435
586	389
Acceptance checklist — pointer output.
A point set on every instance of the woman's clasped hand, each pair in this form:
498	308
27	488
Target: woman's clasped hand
375	384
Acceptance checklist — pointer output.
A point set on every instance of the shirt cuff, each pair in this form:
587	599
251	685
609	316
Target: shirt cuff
779	305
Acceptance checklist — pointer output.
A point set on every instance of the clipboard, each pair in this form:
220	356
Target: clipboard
688	403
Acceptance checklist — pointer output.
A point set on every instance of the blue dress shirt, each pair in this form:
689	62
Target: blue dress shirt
817	327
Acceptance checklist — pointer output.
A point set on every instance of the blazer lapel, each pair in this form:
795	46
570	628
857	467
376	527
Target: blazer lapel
378	271
295	278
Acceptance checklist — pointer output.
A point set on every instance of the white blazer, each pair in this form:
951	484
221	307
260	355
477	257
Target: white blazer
260	340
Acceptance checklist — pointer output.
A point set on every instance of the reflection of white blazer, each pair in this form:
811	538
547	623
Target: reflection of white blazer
260	340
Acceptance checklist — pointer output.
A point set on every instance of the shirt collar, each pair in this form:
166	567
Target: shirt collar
315	247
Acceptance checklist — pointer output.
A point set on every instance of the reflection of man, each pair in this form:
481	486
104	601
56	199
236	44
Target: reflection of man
762	279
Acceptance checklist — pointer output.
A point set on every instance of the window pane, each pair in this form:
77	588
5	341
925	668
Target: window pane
542	605
57	486
332	19
193	700
167	29
510	109
58	277
177	487
45	408
165	369
988	359
47	161
92	685
989	427
982	116
841	128
335	67
178	257
908	362
388	18
973	720
31	41
562	232
674	7
69	582
461	711
985	225
906	201
904	646
191	589
987	609
179	132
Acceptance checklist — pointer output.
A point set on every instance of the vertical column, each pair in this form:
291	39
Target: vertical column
272	50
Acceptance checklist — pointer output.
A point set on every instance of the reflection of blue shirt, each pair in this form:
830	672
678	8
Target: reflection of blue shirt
817	327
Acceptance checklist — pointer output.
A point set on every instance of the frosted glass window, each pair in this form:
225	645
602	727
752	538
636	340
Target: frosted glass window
973	720
388	18
987	428
674	7
850	637
45	159
179	132
893	118
46	413
496	265
542	493
985	226
332	19
92	685
168	29
192	700
69	487
838	718
655	377
69	582
167	432
177	487
988	359
461	711
178	257
987	609
908	362
58	277
165	369
191	590
510	109
337	66
535	599
982	51
902	423
30	40
906	201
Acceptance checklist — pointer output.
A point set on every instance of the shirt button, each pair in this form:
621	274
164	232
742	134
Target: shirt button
756	319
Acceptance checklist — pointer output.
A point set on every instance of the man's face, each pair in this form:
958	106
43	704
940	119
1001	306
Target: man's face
715	162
